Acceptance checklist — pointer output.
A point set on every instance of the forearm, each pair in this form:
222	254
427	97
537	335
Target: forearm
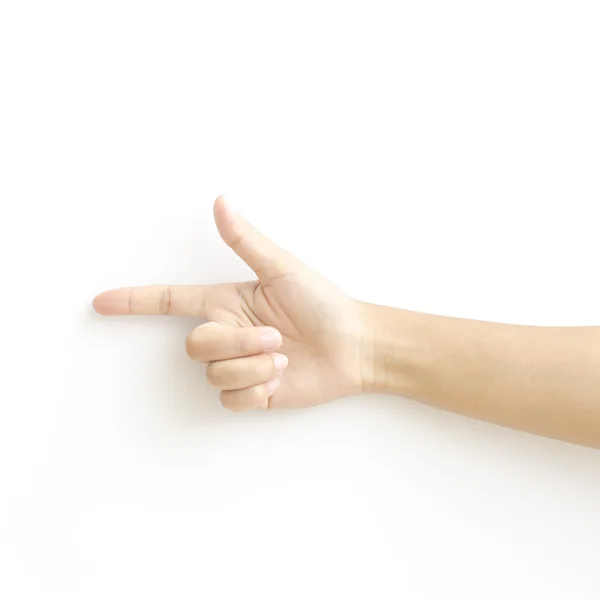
545	380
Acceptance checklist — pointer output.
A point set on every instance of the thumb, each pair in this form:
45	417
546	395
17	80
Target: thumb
263	256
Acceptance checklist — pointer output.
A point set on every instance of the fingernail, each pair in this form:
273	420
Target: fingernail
270	340
272	385
280	361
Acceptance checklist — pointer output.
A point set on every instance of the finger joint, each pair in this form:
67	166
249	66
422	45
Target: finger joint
164	301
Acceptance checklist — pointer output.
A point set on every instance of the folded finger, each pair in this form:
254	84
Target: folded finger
212	342
251	398
239	373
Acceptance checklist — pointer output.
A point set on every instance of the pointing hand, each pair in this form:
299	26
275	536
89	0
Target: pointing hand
288	339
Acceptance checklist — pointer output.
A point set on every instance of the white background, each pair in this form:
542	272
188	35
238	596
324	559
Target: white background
437	156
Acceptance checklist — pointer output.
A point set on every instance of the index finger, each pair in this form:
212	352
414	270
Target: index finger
181	300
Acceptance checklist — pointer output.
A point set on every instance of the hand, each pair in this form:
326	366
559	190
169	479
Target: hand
290	339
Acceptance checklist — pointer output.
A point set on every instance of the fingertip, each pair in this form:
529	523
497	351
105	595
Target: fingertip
223	204
280	361
222	210
226	220
270	339
272	386
217	206
112	302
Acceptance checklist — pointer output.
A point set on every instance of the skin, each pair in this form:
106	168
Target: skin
292	339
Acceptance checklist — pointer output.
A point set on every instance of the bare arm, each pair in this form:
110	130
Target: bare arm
544	380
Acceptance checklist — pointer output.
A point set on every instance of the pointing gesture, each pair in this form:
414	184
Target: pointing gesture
290	338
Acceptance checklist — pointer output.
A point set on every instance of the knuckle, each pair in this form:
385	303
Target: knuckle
164	301
215	374
232	402
225	399
130	301
194	347
199	344
190	345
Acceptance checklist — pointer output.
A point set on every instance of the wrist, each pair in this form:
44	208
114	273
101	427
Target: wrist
370	376
392	359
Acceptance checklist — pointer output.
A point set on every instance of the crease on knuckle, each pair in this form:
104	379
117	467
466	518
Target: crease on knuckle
164	301
239	241
130	301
